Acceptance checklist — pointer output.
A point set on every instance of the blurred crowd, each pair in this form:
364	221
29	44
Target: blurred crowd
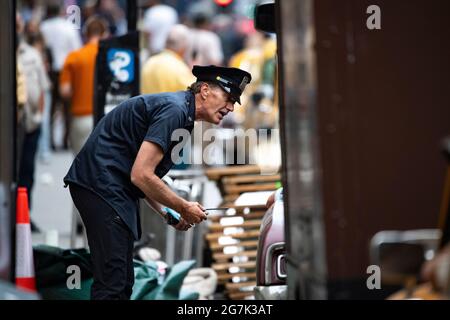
56	52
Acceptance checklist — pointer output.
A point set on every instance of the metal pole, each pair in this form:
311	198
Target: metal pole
8	120
131	15
171	238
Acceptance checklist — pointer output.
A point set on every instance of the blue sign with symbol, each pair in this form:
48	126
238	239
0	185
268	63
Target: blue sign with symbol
121	64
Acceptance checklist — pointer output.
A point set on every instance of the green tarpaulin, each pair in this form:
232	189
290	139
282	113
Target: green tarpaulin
52	266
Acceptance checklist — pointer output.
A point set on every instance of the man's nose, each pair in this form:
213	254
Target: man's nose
230	106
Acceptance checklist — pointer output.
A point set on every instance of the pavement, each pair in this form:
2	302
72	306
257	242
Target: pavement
51	202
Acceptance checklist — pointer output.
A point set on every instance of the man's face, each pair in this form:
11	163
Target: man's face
217	104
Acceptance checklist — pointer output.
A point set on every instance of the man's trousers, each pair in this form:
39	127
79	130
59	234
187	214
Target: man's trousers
110	243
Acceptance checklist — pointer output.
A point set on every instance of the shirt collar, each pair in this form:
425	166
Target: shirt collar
173	53
190	102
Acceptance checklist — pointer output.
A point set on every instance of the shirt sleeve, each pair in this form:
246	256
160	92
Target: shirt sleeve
44	81
165	122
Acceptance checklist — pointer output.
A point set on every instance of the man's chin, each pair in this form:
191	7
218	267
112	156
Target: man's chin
214	121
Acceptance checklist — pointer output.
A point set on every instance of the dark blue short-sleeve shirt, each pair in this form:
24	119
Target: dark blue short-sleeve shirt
104	163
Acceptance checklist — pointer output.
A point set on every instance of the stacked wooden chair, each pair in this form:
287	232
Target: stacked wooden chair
232	236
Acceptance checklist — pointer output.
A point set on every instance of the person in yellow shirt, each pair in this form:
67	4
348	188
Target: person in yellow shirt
167	71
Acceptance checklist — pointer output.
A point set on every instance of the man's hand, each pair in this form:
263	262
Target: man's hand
174	219
193	212
65	91
182	225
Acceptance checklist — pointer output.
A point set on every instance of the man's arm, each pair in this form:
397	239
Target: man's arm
156	207
65	90
65	79
143	176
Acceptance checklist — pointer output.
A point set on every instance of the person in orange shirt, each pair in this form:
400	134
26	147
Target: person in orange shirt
77	82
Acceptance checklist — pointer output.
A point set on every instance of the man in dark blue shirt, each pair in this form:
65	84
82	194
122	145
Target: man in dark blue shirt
125	158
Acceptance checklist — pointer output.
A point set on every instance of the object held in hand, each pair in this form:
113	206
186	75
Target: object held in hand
215	209
173	217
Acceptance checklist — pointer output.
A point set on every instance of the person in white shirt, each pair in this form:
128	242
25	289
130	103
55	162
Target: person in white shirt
158	20
61	37
36	83
207	45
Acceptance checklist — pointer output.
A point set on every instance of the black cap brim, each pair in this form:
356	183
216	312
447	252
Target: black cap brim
231	80
234	97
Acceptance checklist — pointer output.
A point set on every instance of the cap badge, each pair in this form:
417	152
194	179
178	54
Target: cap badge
243	83
225	82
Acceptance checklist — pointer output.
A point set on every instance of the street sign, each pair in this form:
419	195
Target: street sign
116	73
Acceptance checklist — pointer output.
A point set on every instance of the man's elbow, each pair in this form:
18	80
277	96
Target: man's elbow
136	178
140	178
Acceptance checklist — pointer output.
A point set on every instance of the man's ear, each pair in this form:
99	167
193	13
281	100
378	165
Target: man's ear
204	91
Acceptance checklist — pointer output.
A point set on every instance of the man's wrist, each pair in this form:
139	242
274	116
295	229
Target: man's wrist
181	207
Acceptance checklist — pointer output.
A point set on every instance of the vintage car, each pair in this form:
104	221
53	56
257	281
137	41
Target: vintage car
270	261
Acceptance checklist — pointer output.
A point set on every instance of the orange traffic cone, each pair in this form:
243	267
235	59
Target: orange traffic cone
24	251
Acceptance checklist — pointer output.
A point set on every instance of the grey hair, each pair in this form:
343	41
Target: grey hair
195	87
179	38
